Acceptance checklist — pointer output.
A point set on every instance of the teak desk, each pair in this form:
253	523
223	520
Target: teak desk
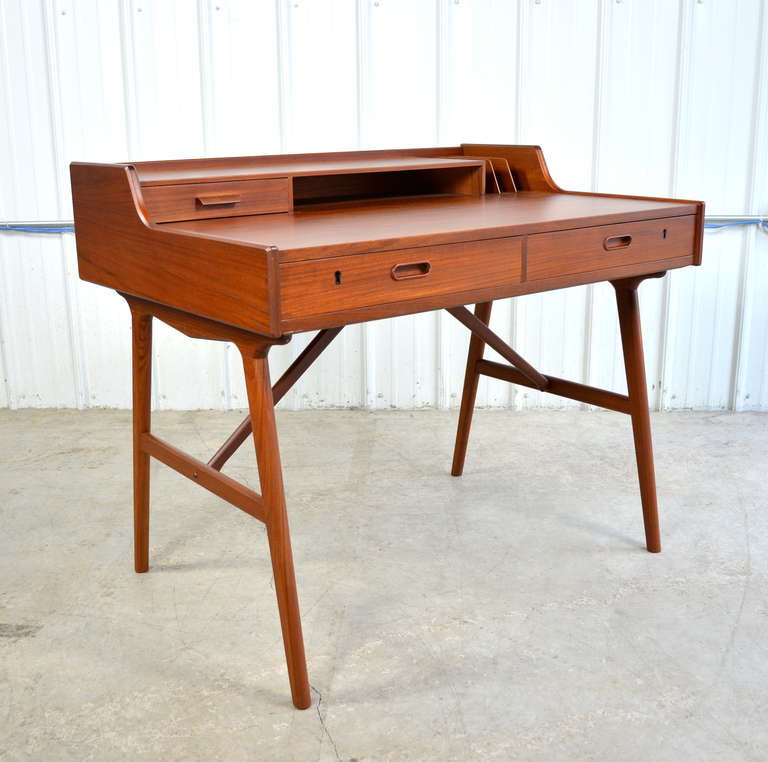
251	250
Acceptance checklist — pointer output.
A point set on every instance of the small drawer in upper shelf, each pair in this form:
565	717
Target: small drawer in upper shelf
567	252
174	203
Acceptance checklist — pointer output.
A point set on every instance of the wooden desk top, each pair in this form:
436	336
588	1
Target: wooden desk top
353	227
278	244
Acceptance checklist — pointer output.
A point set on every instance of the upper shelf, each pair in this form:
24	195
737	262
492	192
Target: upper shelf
274	191
204	189
219	170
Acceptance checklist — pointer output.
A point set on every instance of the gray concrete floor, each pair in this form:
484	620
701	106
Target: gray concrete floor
509	614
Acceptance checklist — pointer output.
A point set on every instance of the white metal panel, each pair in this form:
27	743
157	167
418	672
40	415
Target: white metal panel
161	45
89	100
478	50
752	380
648	97
638	91
398	73
89	124
29	162
635	139
557	85
35	318
557	111
320	57
715	161
240	72
751	386
718	114
37	347
700	352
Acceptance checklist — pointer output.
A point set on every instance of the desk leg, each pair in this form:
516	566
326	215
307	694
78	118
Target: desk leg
634	364
468	395
142	410
262	410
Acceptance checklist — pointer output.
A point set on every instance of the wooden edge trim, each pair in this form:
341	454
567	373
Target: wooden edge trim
228	489
562	388
228	161
273	289
631	284
485	294
699	242
198	327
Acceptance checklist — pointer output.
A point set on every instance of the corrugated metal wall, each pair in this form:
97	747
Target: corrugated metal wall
642	96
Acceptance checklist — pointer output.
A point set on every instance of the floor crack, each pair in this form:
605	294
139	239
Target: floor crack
322	722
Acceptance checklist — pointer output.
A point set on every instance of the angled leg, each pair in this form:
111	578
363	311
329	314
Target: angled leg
634	364
469	393
297	369
142	407
262	410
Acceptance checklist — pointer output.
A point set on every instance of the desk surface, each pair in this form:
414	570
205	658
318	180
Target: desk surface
351	227
217	170
279	244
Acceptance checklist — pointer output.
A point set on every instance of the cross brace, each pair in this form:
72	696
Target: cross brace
634	403
311	352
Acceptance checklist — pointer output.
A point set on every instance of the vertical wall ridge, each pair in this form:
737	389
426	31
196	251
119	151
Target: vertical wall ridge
391	72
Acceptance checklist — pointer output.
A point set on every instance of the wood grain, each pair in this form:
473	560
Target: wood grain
573	251
469	392
634	364
560	387
230	282
475	295
248	167
197	201
321	231
341	283
262	413
293	373
233	492
142	415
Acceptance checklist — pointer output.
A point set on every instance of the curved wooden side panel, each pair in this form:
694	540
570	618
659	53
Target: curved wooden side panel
529	169
118	248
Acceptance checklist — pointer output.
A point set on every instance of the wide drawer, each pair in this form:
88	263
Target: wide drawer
317	286
197	201
588	249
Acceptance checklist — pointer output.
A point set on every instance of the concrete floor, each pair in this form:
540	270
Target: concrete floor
509	614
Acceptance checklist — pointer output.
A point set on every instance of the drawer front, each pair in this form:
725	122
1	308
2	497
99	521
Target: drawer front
567	252
317	286
174	203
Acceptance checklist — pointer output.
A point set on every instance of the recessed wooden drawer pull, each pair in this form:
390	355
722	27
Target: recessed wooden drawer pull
218	200
617	242
411	270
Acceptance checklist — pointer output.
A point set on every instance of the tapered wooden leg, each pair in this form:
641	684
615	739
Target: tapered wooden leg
260	402
634	364
142	410
468	395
